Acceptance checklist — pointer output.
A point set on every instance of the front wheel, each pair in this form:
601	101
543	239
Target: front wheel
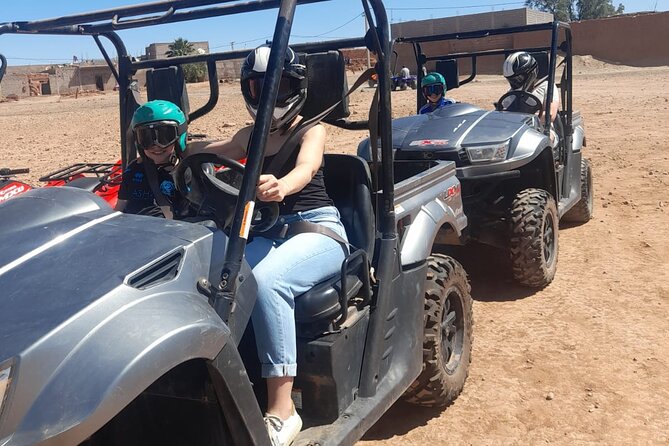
447	334
533	244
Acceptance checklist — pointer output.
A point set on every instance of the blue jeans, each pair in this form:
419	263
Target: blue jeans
283	270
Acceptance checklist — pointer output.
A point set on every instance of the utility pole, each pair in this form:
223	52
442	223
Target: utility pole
369	62
232	46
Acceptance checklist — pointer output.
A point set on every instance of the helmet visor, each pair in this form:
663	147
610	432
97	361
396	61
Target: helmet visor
517	81
160	134
289	87
437	89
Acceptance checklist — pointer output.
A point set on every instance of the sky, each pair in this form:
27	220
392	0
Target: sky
322	21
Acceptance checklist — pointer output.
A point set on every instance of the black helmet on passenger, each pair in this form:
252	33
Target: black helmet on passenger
292	88
521	70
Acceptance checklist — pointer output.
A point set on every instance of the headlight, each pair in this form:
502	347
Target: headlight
492	152
4	385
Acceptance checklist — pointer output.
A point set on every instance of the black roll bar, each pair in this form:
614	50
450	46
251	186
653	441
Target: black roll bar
554	27
254	161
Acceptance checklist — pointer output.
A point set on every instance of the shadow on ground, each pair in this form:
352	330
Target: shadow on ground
400	419
489	273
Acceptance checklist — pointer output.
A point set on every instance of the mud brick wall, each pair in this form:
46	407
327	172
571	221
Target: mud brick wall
640	40
634	39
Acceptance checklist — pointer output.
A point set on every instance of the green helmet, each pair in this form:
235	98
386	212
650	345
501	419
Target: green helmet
432	79
159	110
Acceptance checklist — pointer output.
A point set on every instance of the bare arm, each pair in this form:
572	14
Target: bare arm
309	160
234	147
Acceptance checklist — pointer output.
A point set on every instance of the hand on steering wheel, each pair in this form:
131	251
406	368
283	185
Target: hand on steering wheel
519	101
216	197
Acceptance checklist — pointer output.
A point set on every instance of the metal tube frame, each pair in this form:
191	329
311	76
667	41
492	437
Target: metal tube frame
377	40
554	27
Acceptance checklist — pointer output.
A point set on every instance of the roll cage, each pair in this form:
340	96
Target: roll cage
106	23
423	55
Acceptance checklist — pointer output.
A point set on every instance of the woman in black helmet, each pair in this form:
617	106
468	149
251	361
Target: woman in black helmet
285	268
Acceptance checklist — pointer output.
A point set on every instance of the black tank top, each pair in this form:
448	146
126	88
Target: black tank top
312	196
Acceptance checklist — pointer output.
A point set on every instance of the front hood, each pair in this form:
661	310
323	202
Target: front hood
62	250
456	126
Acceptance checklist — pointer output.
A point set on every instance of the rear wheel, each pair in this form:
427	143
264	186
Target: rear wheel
582	211
534	238
447	336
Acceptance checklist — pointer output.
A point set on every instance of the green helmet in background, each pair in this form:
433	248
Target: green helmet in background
433	78
161	111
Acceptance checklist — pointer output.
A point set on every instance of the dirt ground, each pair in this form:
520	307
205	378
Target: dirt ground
584	360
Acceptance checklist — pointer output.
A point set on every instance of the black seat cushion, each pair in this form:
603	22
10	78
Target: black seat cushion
327	85
322	301
449	69
348	183
168	84
85	183
542	61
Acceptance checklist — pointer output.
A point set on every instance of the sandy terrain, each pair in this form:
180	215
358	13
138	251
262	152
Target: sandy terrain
584	360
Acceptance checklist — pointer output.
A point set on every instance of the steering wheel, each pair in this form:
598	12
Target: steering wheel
216	197
519	101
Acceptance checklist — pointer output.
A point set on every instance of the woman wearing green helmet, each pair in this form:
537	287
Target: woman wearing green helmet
159	131
433	86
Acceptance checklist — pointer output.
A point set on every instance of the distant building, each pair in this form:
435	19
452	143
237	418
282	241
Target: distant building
37	80
159	50
464	23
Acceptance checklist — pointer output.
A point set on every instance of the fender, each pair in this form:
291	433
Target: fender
111	365
12	189
437	206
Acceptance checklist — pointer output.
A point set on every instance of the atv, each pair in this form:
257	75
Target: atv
9	187
516	187
402	83
130	329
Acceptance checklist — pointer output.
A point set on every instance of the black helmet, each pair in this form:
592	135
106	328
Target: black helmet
292	88
521	70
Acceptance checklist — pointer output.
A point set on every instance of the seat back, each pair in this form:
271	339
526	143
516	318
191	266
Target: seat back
168	84
449	69
327	85
348	182
542	61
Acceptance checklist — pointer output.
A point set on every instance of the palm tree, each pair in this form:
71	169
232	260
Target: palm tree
180	47
193	72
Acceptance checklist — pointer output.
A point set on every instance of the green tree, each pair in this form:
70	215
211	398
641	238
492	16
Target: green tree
193	72
568	10
591	9
180	47
562	10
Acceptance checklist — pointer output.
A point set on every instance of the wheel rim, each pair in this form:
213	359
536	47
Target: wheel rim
549	239
452	330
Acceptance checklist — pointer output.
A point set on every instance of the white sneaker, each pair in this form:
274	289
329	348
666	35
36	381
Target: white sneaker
283	432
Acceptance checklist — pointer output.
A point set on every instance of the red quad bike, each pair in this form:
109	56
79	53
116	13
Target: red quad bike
103	179
8	186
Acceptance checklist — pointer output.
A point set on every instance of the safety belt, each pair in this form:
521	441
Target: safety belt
289	147
161	200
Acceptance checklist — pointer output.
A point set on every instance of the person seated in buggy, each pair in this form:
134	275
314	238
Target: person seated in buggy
521	71
285	266
147	187
433	87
